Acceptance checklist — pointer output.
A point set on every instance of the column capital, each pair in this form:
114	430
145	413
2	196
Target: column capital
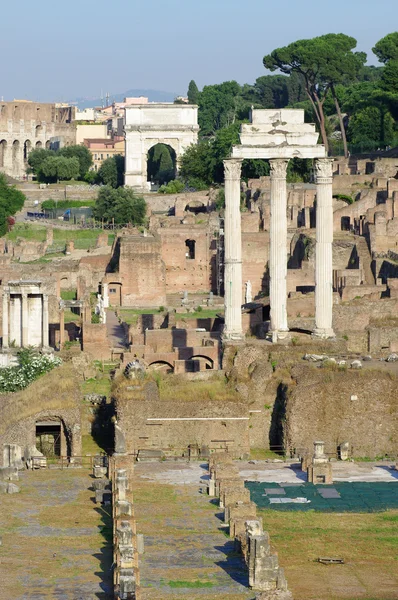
278	168
324	170
232	168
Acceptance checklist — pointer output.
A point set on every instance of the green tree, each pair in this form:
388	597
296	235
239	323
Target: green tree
193	92
11	201
217	106
197	162
83	155
161	161
107	173
386	49
371	127
36	158
60	168
322	62
120	205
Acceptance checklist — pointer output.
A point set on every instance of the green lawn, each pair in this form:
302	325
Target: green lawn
130	315
83	238
200	314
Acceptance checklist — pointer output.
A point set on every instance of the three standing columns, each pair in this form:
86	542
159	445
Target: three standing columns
324	249
232	252
278	250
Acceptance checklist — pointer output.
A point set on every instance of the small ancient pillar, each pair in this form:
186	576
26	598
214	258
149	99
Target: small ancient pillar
324	248
61	327
233	252
320	469
45	328
5	319
278	249
25	321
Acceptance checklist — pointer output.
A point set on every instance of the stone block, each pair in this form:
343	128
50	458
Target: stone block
140	543
100	471
12	488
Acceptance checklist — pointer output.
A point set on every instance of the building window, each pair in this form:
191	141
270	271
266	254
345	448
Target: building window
102	157
95	157
112	290
190	249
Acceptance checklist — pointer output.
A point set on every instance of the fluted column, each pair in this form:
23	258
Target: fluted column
324	249
25	321
278	250
45	331
5	318
233	252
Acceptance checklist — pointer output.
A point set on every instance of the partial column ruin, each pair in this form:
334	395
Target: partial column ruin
324	249
233	252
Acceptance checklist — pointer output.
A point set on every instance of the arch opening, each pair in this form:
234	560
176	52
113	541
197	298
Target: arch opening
3	150
161	366
27	147
161	164
39	145
205	362
190	249
52	438
196	207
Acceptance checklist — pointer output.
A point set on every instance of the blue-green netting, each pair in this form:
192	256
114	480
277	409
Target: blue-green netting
355	497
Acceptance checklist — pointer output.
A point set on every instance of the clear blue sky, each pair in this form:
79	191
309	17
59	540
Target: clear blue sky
53	50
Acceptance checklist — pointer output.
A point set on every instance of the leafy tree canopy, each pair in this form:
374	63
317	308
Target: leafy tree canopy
11	201
111	171
217	106
121	205
387	48
83	155
60	167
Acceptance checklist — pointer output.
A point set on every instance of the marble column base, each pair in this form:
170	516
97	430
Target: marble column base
230	336
323	334
278	335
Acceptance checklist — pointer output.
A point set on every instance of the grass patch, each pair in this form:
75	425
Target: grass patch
367	542
27	231
176	387
100	386
130	315
261	454
190	584
202	314
83	238
71	317
68	294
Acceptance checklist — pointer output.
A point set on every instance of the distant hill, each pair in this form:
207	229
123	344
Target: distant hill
152	95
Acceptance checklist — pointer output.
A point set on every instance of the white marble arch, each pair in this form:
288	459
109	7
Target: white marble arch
278	135
146	125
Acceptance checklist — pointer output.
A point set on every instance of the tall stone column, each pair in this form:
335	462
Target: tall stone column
324	249
45	328
25	321
278	249
5	319
233	252
61	327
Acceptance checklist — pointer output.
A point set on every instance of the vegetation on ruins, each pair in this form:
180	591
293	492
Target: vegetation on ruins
70	162
161	164
31	366
11	201
119	205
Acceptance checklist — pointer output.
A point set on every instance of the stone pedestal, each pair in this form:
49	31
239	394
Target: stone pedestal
233	252
278	250
324	248
320	469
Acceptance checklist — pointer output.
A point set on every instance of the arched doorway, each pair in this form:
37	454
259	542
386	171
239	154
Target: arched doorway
48	144
16	167
27	147
38	130
3	150
39	145
52	438
161	366
161	164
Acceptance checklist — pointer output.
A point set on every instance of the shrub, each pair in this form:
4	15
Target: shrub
31	366
173	187
344	197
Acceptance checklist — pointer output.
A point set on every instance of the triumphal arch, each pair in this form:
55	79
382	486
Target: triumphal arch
278	135
146	125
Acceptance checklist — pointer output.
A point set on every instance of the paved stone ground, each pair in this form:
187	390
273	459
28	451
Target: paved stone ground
55	540
188	554
114	330
181	472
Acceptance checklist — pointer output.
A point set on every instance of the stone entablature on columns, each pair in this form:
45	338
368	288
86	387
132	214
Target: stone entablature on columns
149	124
232	252
324	249
280	135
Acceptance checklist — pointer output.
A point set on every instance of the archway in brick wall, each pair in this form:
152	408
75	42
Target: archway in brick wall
207	362
161	366
3	150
